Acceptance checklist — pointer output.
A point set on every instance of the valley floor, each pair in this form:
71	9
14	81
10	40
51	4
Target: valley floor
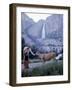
40	68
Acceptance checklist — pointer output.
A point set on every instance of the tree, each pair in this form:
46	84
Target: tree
22	46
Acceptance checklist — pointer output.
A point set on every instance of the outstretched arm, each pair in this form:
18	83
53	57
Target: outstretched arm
31	52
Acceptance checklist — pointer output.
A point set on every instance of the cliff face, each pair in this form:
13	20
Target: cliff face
54	26
32	32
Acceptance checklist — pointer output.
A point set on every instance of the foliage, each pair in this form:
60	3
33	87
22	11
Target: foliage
54	68
22	46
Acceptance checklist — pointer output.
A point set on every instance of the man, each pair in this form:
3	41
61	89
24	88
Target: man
26	51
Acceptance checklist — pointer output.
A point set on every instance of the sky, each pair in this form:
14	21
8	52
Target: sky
37	17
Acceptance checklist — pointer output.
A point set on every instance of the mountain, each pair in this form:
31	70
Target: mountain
32	32
36	29
54	26
26	22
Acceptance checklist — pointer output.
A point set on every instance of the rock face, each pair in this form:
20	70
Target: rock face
54	26
36	29
32	32
26	22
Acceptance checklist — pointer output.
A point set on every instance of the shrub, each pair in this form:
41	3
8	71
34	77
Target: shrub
53	68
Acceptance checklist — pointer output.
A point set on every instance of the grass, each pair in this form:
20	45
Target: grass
53	68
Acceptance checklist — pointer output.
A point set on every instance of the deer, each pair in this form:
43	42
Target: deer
46	56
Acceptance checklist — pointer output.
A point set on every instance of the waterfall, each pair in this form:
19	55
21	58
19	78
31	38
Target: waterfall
43	31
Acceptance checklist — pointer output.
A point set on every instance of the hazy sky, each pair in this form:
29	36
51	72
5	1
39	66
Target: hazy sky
37	17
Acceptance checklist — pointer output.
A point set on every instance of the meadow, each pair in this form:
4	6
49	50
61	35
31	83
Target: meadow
54	67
